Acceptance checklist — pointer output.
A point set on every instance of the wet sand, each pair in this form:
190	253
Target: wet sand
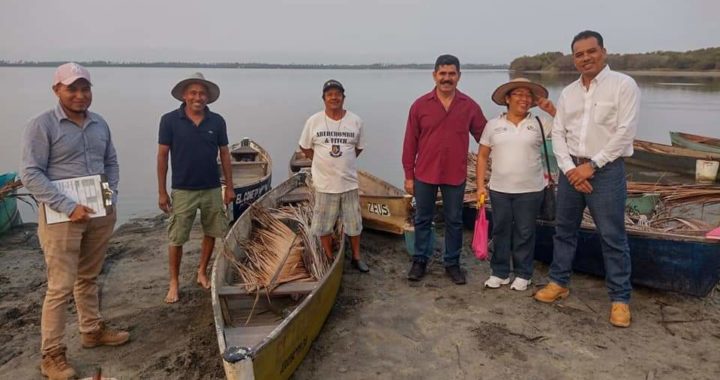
381	326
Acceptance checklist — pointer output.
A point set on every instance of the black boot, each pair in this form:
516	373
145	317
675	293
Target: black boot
417	271
456	274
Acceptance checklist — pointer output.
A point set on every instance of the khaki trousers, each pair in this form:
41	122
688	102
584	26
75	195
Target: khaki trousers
74	256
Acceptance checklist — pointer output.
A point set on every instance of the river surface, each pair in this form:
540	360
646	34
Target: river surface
271	106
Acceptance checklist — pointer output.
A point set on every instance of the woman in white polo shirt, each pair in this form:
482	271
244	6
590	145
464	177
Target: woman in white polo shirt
513	142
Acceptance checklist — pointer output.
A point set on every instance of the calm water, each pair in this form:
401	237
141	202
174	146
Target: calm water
271	106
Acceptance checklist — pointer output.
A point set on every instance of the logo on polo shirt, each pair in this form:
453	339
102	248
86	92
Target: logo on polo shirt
335	151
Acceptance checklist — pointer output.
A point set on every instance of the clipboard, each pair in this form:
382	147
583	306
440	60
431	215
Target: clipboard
92	191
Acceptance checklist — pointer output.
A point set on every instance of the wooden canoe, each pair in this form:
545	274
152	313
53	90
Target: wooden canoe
695	142
383	206
251	171
658	160
275	341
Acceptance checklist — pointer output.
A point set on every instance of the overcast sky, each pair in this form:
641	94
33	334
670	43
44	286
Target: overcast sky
343	31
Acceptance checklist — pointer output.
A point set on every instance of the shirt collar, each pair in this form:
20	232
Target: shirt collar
528	117
598	78
61	115
433	95
181	111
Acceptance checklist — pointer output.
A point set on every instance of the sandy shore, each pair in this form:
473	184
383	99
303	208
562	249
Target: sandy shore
381	326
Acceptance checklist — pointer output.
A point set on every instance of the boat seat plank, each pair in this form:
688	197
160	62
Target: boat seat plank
295	287
294	198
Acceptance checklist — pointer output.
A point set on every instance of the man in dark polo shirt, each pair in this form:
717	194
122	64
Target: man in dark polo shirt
435	156
192	135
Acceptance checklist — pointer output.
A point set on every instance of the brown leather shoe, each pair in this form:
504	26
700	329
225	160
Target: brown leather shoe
54	365
551	293
104	337
620	314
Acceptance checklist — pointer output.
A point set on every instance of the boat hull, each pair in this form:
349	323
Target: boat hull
252	174
695	142
389	214
281	351
248	194
690	266
652	161
9	214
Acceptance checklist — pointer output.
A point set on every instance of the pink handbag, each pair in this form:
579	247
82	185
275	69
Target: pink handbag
480	237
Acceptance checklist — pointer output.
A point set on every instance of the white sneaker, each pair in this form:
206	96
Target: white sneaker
494	282
520	284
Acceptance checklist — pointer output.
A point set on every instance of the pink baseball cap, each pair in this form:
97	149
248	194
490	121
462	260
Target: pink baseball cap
69	73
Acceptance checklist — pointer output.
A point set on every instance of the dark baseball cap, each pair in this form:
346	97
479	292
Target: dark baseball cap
332	83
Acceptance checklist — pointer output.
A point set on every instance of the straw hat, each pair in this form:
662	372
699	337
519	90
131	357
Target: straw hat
537	90
212	88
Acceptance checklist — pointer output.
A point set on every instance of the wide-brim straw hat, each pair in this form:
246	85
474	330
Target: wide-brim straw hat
212	88
537	90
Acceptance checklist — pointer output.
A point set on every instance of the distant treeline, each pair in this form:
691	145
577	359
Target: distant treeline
693	60
236	65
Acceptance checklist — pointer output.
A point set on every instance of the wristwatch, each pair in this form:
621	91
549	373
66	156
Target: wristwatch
593	165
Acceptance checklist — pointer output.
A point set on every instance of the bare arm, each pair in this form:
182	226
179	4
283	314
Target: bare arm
308	153
162	169
481	170
226	164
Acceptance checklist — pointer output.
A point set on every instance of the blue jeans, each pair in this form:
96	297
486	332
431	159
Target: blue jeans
607	207
514	232
452	196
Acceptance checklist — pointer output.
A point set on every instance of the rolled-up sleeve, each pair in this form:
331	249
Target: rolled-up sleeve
35	154
112	168
559	140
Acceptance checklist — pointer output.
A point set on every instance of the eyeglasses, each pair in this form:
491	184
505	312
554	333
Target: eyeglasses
522	95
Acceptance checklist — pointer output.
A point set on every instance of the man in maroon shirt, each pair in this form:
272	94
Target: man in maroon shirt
435	155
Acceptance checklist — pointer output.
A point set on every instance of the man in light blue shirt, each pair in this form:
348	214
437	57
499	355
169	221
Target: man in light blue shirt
67	142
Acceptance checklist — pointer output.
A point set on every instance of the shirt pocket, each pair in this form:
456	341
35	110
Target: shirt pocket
604	113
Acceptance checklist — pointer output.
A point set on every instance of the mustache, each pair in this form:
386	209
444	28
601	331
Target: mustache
446	82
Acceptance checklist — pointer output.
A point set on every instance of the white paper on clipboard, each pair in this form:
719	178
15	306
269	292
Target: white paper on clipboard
90	191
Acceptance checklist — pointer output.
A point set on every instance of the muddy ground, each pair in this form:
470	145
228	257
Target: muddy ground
381	327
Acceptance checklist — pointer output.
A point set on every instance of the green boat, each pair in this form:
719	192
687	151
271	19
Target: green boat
653	162
266	335
9	214
695	142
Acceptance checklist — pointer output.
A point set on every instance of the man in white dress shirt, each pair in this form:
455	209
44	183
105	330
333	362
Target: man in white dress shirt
594	127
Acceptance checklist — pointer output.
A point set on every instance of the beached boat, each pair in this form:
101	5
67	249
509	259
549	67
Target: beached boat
251	171
383	206
652	161
267	335
9	214
695	142
682	261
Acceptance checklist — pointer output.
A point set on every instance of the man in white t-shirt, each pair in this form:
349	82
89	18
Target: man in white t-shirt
333	139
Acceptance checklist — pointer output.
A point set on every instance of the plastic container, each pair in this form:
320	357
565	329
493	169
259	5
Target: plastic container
706	171
409	234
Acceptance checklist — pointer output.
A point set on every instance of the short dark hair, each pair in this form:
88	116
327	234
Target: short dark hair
584	35
447	59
